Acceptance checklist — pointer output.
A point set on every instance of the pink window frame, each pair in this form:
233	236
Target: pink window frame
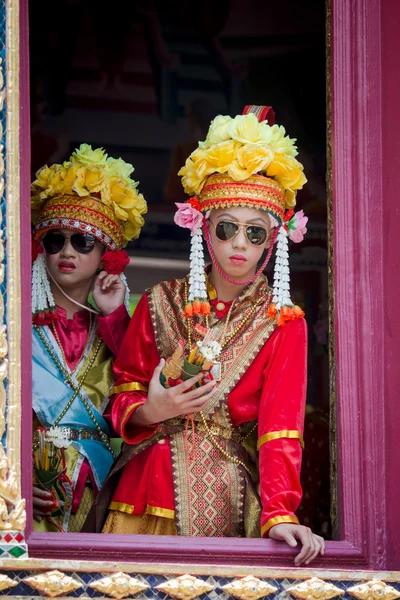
357	184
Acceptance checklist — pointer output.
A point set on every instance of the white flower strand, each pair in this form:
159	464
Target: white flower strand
42	298
127	293
281	272
197	281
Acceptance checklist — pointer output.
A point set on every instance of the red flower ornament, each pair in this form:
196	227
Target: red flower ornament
37	249
115	261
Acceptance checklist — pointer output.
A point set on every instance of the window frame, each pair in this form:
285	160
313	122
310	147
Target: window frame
354	80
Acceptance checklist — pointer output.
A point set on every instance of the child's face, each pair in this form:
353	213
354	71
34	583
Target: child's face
70	267
238	257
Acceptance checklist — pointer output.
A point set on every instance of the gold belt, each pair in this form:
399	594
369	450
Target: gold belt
216	430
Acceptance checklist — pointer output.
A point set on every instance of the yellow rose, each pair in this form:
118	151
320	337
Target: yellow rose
135	218
120	213
293	179
254	158
43	176
86	156
194	173
141	204
279	165
290	198
220	156
247	129
95	179
237	172
88	181
69	176
122	193
281	142
218	131
79	185
105	194
55	185
131	231
119	168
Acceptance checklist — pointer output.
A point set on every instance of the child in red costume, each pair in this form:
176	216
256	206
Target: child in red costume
189	447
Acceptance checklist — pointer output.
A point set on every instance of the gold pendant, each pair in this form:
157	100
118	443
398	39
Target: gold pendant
216	371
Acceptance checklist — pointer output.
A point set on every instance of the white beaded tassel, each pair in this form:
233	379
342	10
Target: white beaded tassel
281	272
42	298
197	281
127	293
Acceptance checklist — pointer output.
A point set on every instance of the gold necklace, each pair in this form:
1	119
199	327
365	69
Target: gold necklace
236	330
56	336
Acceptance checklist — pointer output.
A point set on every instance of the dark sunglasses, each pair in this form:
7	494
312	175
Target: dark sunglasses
54	242
227	230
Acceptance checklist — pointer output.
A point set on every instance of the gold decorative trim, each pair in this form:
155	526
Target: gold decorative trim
53	583
127	413
13	243
373	590
249	588
157	511
119	585
291	434
12	508
133	386
277	521
169	569
185	587
122	507
6	582
314	589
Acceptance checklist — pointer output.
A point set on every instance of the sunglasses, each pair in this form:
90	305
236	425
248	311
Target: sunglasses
54	242
227	230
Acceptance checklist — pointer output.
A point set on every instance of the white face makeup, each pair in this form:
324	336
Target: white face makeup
69	267
238	257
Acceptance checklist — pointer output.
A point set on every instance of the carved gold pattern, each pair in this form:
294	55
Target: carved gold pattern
6	582
119	585
185	587
13	241
374	590
53	583
314	589
12	507
249	588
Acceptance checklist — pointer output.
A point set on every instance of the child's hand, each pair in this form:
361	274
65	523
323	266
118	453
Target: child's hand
108	292
290	532
163	404
42	503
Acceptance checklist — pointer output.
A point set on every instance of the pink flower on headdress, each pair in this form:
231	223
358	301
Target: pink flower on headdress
297	226
187	216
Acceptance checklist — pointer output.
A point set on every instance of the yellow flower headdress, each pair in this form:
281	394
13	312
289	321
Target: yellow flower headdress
89	192
241	148
244	161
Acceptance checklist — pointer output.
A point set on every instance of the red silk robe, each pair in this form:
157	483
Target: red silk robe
272	390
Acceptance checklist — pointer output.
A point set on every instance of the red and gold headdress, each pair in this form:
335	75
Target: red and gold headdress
90	193
245	161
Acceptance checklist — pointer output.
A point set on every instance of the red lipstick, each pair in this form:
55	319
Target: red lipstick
65	266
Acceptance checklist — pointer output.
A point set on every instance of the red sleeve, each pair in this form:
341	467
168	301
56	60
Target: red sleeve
112	328
281	424
133	369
